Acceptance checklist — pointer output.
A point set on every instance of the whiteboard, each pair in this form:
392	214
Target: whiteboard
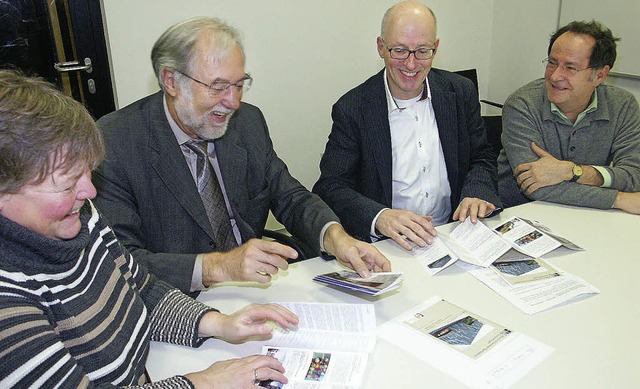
621	16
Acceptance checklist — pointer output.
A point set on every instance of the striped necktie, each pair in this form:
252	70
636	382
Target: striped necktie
212	197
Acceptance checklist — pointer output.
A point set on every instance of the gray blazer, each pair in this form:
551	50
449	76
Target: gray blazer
147	193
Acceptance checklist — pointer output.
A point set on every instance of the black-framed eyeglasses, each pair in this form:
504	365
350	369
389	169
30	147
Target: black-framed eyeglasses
216	88
422	53
552	65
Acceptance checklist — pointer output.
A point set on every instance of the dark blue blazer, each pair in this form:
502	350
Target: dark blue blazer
356	167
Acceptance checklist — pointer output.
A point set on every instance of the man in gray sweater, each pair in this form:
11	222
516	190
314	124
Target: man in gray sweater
568	138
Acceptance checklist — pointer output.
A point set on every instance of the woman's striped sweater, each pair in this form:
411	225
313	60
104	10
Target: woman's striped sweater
81	312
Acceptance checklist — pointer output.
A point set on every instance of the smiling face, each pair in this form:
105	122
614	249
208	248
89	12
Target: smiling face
412	30
52	207
199	114
572	92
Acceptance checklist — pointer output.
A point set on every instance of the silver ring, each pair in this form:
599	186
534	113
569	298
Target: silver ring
255	375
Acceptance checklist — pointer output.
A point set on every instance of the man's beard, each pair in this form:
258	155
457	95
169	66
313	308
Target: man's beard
200	125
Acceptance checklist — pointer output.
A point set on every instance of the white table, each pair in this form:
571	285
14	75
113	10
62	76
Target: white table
597	340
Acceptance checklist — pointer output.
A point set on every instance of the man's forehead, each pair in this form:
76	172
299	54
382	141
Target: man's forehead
215	63
578	46
411	33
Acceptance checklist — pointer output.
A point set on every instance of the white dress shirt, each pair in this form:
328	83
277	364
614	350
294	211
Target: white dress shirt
419	175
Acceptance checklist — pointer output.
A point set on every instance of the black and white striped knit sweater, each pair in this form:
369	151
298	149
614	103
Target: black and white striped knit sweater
81	312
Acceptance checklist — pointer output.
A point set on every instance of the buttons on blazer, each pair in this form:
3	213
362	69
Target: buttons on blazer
212	244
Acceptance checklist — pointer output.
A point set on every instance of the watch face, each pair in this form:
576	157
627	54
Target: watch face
577	170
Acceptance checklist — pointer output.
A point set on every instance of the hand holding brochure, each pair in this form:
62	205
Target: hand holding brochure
375	285
329	348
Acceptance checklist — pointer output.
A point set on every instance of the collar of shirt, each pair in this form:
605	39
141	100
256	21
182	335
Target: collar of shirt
593	105
180	135
392	105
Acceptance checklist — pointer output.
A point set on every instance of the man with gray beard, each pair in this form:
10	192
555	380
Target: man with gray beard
190	173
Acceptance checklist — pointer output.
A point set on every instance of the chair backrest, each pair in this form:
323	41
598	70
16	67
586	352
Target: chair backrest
493	123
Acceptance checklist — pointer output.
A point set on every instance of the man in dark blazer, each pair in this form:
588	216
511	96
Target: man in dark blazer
147	183
357	168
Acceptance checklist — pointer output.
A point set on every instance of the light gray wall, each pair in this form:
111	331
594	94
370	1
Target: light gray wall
303	56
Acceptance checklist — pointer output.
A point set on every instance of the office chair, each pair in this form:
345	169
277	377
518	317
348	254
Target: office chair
493	123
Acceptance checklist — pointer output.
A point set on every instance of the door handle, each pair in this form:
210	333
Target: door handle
74	66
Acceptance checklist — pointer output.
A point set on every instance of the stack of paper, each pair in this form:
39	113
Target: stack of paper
375	285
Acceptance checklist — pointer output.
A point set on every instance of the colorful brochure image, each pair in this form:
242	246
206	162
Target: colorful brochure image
309	368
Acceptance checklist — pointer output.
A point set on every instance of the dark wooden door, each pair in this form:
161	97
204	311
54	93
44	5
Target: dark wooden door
62	41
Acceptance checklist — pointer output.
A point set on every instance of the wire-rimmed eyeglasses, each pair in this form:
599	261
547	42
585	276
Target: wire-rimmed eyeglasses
552	65
218	87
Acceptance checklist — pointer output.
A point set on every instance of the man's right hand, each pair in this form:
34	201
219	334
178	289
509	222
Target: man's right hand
405	227
256	260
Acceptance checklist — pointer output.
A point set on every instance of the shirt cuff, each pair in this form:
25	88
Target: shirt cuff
606	176
196	279
324	231
374	234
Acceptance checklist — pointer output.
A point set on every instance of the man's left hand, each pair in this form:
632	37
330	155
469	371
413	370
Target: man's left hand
474	208
546	171
360	256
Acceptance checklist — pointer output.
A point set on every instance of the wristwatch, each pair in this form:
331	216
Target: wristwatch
577	172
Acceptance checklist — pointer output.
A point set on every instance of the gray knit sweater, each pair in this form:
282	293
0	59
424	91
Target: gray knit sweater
608	137
81	313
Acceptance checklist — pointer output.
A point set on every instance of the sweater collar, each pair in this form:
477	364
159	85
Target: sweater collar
19	242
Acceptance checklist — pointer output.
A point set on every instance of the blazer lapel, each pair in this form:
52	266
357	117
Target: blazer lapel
169	164
378	133
444	107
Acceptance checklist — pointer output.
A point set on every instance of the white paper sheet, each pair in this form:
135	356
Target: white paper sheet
538	296
502	365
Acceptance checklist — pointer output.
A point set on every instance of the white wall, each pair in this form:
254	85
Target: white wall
303	56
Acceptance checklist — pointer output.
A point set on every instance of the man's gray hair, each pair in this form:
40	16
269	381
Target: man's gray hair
176	47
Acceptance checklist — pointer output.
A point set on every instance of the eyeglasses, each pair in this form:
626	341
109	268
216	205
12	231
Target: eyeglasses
218	87
421	54
552	65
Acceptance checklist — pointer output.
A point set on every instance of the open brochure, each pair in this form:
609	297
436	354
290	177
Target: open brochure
468	347
534	286
375	285
329	348
480	245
